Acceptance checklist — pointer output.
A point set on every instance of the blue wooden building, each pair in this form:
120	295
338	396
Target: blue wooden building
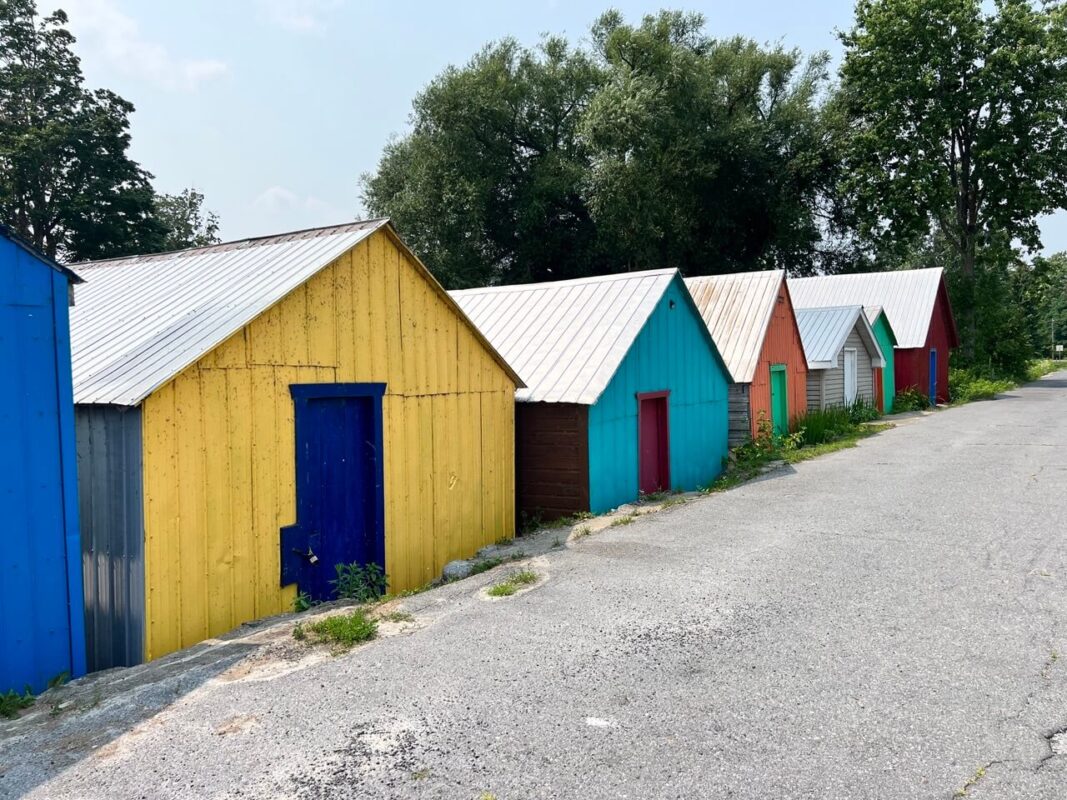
626	393
42	630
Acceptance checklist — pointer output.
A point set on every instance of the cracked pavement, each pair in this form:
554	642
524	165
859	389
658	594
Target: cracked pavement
885	621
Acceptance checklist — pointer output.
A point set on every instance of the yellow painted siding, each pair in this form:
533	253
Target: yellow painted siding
219	449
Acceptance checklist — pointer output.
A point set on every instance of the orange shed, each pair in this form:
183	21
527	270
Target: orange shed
750	317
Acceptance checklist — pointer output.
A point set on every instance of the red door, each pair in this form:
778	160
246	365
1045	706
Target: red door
879	394
653	433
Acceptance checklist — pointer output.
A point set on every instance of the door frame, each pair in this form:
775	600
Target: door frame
785	396
853	353
932	359
302	393
665	446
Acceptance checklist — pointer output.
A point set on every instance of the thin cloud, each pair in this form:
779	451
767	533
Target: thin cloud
106	32
299	16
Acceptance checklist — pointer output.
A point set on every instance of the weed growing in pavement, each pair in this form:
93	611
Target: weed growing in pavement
11	702
344	631
512	584
485	565
302	602
971	782
420	774
363	583
582	532
397	616
530	522
626	520
653	497
670	502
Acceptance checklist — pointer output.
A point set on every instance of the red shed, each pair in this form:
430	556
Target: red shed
917	306
750	317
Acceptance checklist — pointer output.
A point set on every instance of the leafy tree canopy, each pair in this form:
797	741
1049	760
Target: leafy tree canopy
66	181
657	147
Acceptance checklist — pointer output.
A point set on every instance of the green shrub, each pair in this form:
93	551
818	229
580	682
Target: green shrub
363	583
863	410
911	400
965	385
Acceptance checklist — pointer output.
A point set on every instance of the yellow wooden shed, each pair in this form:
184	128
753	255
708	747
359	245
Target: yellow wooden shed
251	414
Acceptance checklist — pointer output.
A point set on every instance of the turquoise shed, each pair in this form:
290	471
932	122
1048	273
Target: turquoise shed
626	392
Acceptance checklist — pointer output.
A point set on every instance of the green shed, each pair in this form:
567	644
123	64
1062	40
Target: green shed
887	340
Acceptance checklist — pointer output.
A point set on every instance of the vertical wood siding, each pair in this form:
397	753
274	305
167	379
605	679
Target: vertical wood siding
782	346
41	629
112	534
671	353
552	456
219	447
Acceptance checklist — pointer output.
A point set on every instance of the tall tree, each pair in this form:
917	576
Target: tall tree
186	222
958	116
487	186
66	181
708	155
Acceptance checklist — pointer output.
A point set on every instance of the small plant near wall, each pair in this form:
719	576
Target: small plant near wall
11	702
910	400
363	583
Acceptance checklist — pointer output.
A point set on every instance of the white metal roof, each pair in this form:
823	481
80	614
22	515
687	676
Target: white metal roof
566	338
141	320
737	309
908	297
873	313
825	330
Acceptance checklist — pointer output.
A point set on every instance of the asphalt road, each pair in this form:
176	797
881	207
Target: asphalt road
884	622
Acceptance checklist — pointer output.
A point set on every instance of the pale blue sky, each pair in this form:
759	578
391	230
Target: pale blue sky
273	108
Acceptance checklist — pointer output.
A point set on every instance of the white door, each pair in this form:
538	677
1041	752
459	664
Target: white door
851	385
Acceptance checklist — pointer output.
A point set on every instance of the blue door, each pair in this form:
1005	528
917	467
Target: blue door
933	377
339	484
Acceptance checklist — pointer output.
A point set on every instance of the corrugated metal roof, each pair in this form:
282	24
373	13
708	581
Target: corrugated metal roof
907	296
737	309
566	338
141	320
825	330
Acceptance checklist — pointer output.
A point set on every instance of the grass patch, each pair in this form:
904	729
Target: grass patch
582	532
11	702
512	584
397	616
627	520
343	631
849	440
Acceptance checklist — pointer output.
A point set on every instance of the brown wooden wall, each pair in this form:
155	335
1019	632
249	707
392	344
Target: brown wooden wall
552	459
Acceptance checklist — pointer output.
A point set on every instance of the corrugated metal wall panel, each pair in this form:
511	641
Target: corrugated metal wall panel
671	353
219	464
110	504
39	570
